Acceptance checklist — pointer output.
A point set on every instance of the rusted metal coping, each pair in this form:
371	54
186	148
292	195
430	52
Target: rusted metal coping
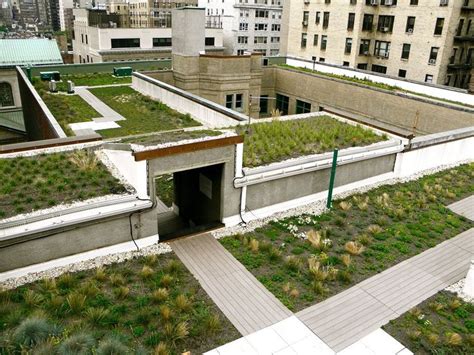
187	148
48	143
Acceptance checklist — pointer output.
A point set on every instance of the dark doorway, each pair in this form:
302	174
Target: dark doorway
197	203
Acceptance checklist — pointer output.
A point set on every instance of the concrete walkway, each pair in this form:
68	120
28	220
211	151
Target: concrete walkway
239	295
464	207
108	115
352	314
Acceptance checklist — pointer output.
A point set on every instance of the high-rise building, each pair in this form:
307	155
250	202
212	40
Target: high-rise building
425	40
248	25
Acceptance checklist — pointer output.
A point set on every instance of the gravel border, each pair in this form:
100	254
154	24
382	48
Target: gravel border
457	289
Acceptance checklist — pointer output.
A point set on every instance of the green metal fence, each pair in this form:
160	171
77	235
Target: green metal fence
12	118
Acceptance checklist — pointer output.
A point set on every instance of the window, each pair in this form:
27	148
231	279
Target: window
353	2
243	26
414	2
229	100
321	60
468	28
428	78
325	19
282	103
324	42
379	69
239	101
302	107
125	42
162	42
410	27
242	39
382	49
439	26
260	39
264	104
275	40
402	73
367	22
315	40
327	1
82	38
364	47
350	21
318	18
304	38
362	66
87	40
276	27
6	95
345	64
261	27
433	55
305	18
261	13
348	46
406	50
241	51
209	41
385	23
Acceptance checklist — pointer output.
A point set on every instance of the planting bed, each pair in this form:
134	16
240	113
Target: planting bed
279	140
92	79
305	259
443	324
43	181
68	109
147	305
142	113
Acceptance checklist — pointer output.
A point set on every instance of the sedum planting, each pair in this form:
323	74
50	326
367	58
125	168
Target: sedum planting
147	305
38	182
305	259
280	140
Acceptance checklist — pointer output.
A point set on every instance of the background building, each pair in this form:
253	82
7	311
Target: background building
425	40
249	26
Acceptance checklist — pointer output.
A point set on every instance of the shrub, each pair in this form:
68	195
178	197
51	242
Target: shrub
182	303
160	295
76	302
85	160
453	339
354	248
111	347
33	331
146	272
77	344
166	280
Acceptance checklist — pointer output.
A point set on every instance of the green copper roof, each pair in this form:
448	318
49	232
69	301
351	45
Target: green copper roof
35	51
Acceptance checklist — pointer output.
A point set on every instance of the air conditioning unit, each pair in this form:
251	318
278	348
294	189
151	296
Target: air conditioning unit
385	55
365	52
384	29
410	30
388	3
432	61
305	23
443	2
374	2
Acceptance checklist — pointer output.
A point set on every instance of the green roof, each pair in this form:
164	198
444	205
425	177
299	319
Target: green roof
34	51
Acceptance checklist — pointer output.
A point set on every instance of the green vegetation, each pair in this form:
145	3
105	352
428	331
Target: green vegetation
142	113
303	260
68	109
147	305
374	84
90	79
279	140
165	189
443	324
44	181
167	137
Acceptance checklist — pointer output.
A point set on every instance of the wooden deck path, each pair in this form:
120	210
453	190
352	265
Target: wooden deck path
464	207
350	315
239	295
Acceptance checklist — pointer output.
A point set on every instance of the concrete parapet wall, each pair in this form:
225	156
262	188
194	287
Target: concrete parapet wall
204	111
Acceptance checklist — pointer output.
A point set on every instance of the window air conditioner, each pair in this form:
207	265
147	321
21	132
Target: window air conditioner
386	54
388	3
374	2
432	61
410	30
384	29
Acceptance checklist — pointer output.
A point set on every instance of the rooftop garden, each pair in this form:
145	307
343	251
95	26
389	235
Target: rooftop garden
280	140
373	84
68	109
147	305
305	259
143	114
169	137
89	79
34	183
442	324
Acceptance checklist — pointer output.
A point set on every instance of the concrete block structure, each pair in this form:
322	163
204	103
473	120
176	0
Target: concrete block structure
429	41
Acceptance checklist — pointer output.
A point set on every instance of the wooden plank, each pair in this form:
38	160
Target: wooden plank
464	207
187	148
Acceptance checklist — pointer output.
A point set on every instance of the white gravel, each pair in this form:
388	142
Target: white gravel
457	289
85	265
318	207
51	150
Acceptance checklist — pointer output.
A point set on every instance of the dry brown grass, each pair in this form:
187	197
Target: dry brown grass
354	248
346	260
84	159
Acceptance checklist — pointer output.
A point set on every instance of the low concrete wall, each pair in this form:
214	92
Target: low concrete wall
76	239
443	92
207	112
386	106
39	121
